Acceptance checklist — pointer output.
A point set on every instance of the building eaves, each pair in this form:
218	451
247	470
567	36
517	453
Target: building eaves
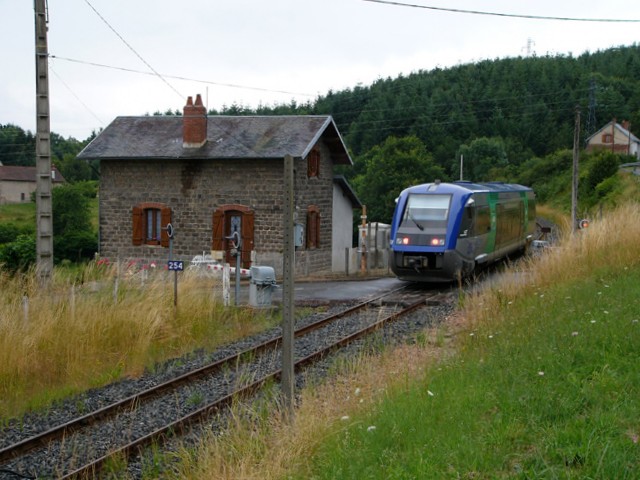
341	181
228	137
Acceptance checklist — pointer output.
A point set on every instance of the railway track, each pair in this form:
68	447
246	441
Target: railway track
81	447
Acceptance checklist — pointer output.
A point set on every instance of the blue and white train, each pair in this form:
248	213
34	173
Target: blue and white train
445	231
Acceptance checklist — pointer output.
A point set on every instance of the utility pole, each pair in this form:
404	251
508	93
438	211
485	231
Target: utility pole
288	316
44	208
574	183
591	115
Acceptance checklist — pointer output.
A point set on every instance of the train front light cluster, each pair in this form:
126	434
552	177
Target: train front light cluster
432	242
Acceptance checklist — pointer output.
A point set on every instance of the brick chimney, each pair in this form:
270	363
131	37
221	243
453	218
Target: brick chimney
194	130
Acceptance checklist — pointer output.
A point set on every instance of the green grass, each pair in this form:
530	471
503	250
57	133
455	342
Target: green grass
550	390
23	215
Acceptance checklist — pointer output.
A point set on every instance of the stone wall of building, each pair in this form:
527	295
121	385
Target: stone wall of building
194	189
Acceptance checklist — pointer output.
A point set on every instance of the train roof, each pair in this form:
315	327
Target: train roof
445	187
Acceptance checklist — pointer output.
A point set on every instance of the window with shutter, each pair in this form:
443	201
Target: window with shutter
149	222
313	163
313	227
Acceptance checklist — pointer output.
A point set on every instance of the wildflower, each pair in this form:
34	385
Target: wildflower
357	392
605	312
471	334
430	393
593	321
541	373
490	336
344	418
574	334
371	428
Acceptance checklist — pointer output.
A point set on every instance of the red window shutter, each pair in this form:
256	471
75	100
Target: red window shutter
313	226
247	237
218	230
165	218
317	229
313	163
138	225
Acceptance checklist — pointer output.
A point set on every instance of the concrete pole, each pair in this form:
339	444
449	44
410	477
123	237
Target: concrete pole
44	207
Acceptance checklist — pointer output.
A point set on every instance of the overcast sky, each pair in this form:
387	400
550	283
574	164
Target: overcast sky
253	52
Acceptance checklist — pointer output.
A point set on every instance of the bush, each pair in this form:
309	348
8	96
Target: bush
20	254
75	246
9	232
602	167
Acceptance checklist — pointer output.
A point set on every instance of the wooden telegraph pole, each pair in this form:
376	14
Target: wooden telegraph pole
574	182
44	208
288	262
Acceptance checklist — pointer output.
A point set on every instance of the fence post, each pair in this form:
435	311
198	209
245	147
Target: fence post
346	261
25	308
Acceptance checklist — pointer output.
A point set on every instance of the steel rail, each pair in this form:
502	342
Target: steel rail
189	419
40	440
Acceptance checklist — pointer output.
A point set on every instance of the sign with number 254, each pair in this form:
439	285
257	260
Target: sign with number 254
176	265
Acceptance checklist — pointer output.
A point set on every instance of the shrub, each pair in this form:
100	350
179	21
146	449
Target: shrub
75	246
19	254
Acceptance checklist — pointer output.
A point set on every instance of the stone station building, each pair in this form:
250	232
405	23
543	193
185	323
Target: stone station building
211	176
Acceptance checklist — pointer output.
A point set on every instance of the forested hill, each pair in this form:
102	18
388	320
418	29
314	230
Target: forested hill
528	102
499	113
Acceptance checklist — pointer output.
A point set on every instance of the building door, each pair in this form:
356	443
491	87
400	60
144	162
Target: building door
233	227
227	220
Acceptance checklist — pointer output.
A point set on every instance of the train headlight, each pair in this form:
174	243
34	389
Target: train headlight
405	241
437	242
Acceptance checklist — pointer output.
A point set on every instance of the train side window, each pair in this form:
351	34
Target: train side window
466	225
483	220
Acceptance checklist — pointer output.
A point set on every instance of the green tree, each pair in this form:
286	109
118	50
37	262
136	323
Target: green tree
73	238
17	147
388	169
71	212
484	158
19	254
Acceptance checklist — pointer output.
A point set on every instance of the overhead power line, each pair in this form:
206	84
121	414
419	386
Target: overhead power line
76	96
175	77
133	50
510	15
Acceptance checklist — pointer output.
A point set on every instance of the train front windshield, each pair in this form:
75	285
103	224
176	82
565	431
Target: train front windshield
426	209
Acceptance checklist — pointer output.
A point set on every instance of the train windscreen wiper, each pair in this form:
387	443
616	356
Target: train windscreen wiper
410	217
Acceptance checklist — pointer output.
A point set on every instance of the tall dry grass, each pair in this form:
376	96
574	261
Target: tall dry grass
70	337
272	449
610	243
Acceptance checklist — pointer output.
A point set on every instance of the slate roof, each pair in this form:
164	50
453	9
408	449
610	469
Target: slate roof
228	137
16	173
618	127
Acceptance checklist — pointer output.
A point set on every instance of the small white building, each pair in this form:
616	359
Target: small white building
616	138
17	183
344	202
